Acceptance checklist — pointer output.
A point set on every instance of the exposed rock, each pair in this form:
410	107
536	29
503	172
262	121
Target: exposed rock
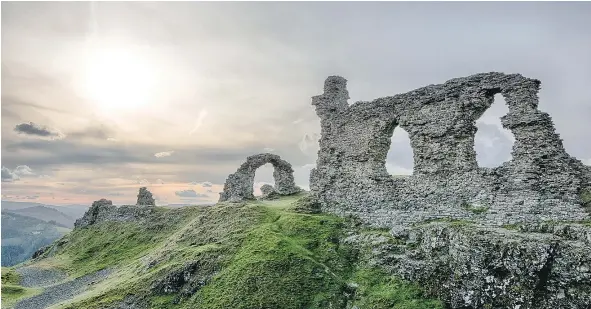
186	280
541	182
476	267
144	197
307	204
104	210
40	251
239	185
269	192
60	292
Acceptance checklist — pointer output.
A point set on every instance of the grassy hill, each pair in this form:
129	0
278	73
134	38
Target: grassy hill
257	255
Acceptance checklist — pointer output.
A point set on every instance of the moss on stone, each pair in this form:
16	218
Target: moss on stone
586	198
377	290
477	210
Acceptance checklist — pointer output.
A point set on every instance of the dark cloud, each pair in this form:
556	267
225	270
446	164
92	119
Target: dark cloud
189	193
205	184
36	130
188	161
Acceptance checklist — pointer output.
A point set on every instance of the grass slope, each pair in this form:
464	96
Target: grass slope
11	290
258	255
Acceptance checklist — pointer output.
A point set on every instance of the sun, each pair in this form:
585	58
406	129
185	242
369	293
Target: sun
118	79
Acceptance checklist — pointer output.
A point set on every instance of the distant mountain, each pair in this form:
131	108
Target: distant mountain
23	235
71	212
10	205
74	211
46	214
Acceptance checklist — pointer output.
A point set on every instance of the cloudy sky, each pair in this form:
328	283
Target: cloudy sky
100	98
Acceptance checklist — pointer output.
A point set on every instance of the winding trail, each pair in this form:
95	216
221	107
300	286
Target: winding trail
54	292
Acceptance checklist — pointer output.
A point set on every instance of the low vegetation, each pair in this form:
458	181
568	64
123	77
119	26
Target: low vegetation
477	210
257	255
11	290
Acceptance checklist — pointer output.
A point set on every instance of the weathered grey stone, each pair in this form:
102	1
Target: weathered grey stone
239	185
145	198
269	193
307	204
104	210
468	266
541	182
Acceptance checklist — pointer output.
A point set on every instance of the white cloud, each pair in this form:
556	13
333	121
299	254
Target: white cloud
159	181
199	121
8	175
309	144
23	170
189	193
16	174
164	154
267	149
143	181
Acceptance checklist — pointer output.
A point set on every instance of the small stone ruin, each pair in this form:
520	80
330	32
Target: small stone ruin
144	198
268	192
239	185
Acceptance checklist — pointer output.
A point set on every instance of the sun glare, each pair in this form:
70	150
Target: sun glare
117	79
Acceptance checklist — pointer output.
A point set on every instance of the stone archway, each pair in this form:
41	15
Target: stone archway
239	185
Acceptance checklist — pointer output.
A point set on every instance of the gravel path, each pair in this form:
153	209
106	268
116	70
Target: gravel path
35	277
61	292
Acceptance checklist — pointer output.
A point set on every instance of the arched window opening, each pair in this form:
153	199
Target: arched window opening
493	143
399	161
262	176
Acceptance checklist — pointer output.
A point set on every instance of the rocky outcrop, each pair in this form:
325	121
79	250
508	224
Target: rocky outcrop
475	267
541	182
104	210
239	185
144	198
306	204
269	193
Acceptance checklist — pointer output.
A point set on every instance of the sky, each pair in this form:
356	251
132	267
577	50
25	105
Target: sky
100	98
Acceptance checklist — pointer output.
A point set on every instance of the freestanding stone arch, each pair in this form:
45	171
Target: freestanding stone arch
239	185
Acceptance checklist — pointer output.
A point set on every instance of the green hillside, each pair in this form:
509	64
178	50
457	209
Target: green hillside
256	255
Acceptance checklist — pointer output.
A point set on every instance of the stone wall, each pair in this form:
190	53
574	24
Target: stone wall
541	182
103	210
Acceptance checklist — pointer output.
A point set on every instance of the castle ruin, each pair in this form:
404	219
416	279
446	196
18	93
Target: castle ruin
541	182
239	185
